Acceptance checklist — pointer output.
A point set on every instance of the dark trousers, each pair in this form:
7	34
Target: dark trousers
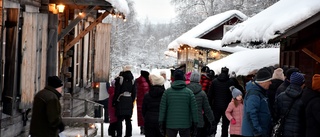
183	132
113	130
151	130
202	132
218	113
128	125
105	107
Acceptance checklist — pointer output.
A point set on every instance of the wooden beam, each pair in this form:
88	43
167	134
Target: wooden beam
85	31
82	2
75	22
311	54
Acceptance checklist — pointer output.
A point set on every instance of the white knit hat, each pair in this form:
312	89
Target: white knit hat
126	68
156	79
278	74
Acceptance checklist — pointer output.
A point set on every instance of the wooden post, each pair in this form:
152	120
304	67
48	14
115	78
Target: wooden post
52	45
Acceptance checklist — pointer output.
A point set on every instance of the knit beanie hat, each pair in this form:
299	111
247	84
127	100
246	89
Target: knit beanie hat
278	74
290	71
178	75
316	82
297	78
263	75
205	69
144	74
156	79
127	68
195	77
235	92
54	81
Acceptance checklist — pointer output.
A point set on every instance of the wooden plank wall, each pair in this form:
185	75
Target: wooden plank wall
102	52
86	51
33	68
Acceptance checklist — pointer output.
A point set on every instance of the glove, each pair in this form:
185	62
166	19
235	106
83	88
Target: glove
233	121
194	129
161	128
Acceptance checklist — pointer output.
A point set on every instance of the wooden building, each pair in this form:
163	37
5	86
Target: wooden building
300	47
50	37
201	45
297	34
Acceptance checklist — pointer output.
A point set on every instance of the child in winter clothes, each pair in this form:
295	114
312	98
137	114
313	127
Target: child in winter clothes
112	112
234	112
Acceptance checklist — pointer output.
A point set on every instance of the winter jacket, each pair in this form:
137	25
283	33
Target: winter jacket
236	113
46	113
151	105
205	82
124	104
282	87
219	94
256	118
202	103
271	93
111	109
311	100
178	106
142	87
294	121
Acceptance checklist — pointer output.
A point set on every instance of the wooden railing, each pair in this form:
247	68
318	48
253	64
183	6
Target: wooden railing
70	119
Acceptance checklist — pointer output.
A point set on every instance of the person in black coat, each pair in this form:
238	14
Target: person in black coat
124	96
286	82
294	124
150	106
46	120
219	97
311	100
277	80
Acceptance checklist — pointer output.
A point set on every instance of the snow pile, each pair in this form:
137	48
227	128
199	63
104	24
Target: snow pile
120	5
271	22
248	61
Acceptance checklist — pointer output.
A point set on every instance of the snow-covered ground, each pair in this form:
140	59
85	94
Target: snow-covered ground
135	128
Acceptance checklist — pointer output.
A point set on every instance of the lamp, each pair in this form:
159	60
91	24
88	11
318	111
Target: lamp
60	8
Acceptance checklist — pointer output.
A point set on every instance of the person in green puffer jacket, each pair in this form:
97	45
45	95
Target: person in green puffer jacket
203	106
178	109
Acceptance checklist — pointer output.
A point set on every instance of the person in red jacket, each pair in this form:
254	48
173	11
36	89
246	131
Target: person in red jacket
112	130
142	87
205	79
234	112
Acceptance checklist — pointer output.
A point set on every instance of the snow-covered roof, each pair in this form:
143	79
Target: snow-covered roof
207	25
271	22
120	5
171	53
248	61
211	44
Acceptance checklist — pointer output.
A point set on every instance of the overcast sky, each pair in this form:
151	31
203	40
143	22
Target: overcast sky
158	11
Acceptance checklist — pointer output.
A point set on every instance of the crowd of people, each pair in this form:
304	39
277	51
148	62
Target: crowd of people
193	103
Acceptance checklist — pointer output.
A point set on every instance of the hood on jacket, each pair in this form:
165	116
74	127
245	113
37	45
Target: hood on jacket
195	87
223	77
156	91
293	90
127	75
178	84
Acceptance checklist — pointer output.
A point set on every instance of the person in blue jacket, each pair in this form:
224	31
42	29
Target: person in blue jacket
256	115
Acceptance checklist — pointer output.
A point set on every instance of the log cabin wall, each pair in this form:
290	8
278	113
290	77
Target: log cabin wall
302	50
25	37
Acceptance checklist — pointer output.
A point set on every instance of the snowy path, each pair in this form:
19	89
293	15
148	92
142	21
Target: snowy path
135	128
